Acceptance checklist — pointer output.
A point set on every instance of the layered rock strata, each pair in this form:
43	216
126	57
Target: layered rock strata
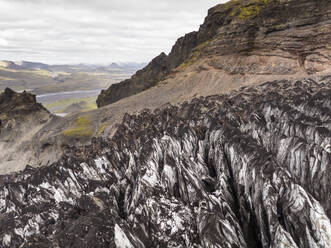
244	37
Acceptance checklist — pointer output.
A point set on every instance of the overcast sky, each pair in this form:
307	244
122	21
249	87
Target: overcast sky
95	31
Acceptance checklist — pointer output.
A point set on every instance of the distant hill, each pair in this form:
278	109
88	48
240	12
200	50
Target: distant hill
42	78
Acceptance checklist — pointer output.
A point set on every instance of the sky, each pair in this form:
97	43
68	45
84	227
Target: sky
95	31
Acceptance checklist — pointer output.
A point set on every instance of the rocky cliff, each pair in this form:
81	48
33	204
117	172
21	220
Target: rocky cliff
16	107
247	169
20	118
142	80
244	37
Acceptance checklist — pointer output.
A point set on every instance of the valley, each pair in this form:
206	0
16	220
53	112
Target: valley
69	101
58	87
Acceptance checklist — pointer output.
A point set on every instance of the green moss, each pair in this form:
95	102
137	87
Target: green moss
259	2
101	128
90	106
250	9
186	64
195	54
225	6
201	46
248	12
82	128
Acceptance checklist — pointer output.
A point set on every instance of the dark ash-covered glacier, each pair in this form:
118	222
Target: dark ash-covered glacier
249	169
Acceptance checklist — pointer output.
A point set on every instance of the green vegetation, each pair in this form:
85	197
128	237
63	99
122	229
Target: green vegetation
90	106
195	54
60	106
236	8
6	78
101	128
82	128
246	10
43	81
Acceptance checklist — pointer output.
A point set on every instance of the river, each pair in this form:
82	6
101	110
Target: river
54	97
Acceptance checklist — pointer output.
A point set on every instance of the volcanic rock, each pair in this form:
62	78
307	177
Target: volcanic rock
20	118
16	110
248	169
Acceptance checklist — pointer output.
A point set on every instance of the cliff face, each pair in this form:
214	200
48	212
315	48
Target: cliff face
248	169
141	81
245	37
154	72
295	32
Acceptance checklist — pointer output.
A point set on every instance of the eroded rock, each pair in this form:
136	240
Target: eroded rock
249	169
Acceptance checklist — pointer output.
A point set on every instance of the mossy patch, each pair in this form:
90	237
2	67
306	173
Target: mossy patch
195	54
101	128
82	128
247	10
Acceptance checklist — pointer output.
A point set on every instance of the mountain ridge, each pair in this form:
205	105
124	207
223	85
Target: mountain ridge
244	38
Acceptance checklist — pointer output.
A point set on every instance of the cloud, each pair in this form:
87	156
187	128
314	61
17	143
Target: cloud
95	31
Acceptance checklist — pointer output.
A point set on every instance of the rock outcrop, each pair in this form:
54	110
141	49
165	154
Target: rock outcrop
16	111
249	169
141	81
20	118
244	37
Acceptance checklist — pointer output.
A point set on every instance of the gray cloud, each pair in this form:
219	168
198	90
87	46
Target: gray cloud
95	31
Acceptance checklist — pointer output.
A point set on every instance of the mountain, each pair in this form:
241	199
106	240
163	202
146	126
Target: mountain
247	169
31	65
246	41
21	117
225	142
41	78
28	65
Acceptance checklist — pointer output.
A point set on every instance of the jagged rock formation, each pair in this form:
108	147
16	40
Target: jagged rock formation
15	107
249	169
244	37
20	118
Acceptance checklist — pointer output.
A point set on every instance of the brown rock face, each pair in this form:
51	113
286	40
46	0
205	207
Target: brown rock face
20	118
154	72
245	37
141	81
17	109
297	33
